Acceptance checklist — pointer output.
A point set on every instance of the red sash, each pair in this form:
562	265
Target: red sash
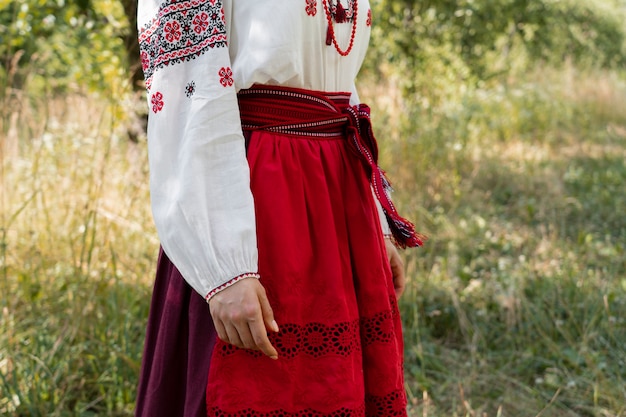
317	114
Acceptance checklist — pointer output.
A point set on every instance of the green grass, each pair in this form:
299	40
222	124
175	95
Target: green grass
516	305
77	254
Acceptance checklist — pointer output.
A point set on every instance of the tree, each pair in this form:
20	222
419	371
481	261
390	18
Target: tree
478	30
61	43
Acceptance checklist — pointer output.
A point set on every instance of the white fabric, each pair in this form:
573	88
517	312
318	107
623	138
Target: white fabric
199	176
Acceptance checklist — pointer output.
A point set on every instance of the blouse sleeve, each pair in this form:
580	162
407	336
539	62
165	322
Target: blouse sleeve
199	176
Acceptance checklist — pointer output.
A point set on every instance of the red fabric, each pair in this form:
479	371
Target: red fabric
323	263
312	113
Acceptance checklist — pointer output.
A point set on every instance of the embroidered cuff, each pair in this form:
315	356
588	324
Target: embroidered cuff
229	283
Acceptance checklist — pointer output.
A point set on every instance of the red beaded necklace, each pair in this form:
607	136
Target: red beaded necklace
340	17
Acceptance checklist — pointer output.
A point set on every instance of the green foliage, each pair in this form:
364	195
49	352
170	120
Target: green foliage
485	38
56	44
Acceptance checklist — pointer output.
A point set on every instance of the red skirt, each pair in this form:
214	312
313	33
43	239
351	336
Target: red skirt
323	263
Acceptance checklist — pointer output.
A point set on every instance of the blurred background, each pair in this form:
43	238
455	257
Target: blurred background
502	124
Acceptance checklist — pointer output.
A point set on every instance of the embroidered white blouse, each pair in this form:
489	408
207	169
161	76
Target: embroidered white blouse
196	55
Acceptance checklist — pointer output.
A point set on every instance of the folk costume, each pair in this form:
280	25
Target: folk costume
263	166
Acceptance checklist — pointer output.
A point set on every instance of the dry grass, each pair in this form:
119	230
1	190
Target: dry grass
515	307
516	304
77	255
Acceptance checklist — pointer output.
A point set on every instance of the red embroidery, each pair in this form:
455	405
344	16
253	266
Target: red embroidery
226	76
182	31
390	405
230	282
368	22
145	61
172	31
157	102
311	7
316	339
343	412
201	22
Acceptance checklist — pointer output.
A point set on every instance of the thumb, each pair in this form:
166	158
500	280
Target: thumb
267	312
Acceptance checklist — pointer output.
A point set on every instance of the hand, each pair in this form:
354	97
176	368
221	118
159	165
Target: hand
397	267
242	316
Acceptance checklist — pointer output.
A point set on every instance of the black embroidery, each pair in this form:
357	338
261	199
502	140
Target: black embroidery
190	89
182	31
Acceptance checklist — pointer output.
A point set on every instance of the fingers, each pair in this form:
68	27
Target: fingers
233	335
242	317
397	268
236	332
261	341
220	329
267	322
267	312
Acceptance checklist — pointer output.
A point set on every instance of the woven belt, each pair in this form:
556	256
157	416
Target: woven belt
317	114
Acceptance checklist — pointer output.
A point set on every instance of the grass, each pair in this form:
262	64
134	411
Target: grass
516	306
77	253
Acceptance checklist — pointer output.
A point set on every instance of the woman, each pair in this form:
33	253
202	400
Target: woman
263	181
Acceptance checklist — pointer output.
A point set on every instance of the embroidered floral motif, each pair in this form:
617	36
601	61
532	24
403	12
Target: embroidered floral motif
182	31
343	412
172	31
311	7
226	76
145	60
200	22
190	89
157	102
368	22
390	405
378	328
316	339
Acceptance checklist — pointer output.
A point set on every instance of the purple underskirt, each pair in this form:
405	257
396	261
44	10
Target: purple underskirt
177	354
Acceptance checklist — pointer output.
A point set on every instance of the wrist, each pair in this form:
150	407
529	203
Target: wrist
389	239
229	283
